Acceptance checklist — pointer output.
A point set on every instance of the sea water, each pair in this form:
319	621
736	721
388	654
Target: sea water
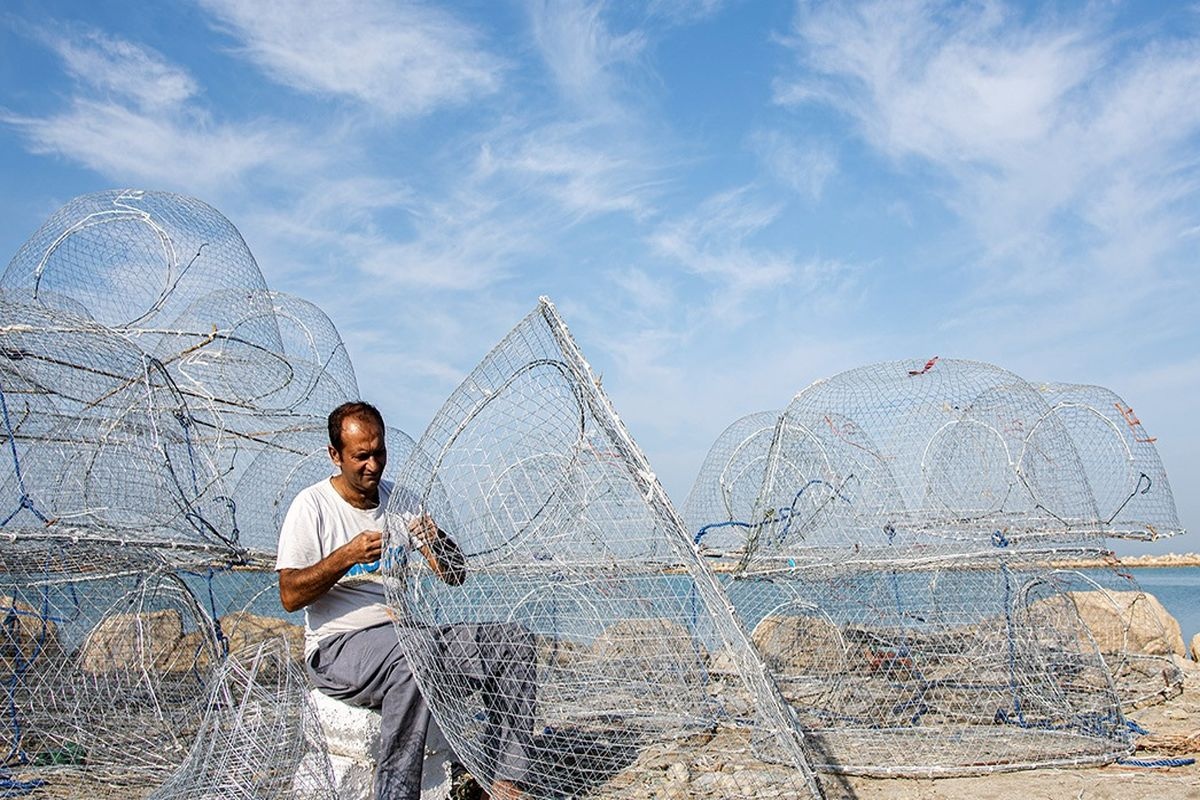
1178	589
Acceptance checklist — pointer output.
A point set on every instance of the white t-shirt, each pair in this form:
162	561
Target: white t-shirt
318	522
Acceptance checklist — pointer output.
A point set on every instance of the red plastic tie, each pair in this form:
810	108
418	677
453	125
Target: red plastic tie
928	366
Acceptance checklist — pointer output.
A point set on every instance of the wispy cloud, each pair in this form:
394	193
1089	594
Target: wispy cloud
584	56
712	242
718	242
584	169
1064	147
136	117
109	64
802	165
404	59
685	11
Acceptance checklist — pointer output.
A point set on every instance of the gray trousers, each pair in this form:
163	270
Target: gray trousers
368	668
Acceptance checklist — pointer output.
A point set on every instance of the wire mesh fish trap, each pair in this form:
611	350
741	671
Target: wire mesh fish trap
1121	464
588	647
150	385
106	657
888	538
99	436
1135	635
260	737
132	259
138	329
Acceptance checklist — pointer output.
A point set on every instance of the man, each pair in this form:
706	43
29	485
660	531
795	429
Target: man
330	541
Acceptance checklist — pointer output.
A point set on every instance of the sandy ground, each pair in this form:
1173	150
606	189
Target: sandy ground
1179	716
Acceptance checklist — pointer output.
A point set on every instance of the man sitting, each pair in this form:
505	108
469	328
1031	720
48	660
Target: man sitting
329	544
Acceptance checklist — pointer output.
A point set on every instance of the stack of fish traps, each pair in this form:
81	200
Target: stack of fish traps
894	539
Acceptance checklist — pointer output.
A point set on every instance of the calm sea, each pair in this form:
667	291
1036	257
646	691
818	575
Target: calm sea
1178	589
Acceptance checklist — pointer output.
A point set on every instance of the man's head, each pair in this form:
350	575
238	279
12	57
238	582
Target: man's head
357	446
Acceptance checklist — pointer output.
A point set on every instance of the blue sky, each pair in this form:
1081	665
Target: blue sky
726	200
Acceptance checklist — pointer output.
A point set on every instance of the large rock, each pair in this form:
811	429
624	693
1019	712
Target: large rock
26	635
1195	649
146	640
656	648
245	631
800	644
1130	622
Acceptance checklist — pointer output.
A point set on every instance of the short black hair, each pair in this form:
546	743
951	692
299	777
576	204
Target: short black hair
353	409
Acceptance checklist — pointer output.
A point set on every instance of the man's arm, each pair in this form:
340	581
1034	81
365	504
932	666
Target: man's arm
441	552
299	587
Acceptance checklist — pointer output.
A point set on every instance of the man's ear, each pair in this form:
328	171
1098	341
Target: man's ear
334	457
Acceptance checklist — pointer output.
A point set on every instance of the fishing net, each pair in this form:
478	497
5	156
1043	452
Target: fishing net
588	653
888	539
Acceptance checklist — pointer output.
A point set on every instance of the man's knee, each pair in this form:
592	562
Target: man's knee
508	636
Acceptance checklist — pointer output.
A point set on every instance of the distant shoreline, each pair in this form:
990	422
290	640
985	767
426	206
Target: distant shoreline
1145	560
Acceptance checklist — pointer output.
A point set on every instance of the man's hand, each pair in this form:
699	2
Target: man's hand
424	531
366	548
440	551
299	587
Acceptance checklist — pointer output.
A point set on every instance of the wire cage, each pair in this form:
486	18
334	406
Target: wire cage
1123	470
1136	636
889	539
260	739
150	386
588	653
107	654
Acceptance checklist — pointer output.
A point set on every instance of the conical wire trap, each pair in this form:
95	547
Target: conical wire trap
588	653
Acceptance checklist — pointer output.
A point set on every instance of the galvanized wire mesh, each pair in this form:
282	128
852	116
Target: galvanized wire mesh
1135	635
616	667
260	739
106	660
889	539
1121	464
160	408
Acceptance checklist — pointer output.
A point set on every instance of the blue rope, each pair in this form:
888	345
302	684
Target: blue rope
1135	728
212	606
11	787
185	422
786	513
715	525
1012	646
231	505
1157	762
25	501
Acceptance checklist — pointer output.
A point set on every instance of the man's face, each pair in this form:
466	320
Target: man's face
363	455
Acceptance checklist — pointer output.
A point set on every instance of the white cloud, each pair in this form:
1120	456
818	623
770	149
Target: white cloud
716	242
402	59
583	55
685	11
134	118
1065	148
110	64
585	169
647	294
131	147
803	166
